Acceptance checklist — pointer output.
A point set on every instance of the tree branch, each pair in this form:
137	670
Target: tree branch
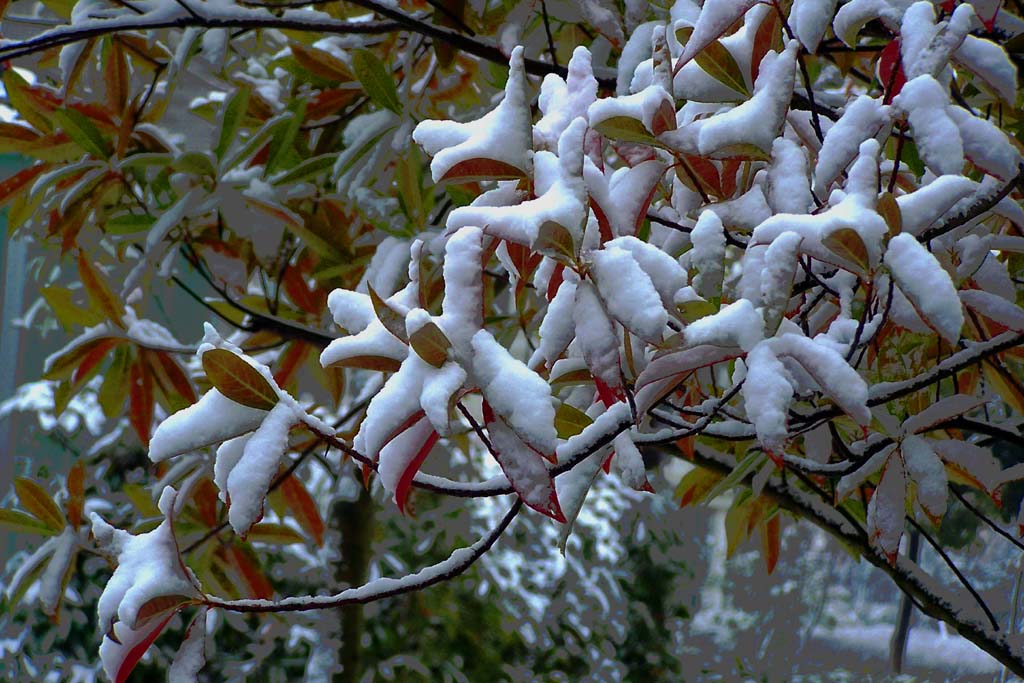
459	561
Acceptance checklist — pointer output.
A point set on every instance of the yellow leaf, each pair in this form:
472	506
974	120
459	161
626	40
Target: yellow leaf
36	500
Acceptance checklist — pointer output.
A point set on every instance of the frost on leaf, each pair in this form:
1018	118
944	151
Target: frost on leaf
495	146
926	285
149	585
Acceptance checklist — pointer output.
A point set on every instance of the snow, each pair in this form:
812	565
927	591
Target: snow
623	194
148	567
228	455
985	145
643	106
250	479
516	393
503	134
367	336
596	335
885	509
809	19
212	419
861	120
926	284
777	276
755	123
928	473
462	306
767	394
708	254
51	582
629	293
738	324
716	16
562	101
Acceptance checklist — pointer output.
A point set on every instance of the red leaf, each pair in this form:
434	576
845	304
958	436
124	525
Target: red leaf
890	70
13	184
556	280
177	376
405	483
289	362
140	400
91	359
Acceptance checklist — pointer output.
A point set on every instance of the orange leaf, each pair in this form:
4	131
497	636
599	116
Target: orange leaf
160	605
99	291
303	507
245	562
405	483
36	500
771	541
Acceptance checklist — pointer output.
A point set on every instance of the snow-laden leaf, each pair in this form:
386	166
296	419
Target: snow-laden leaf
715	18
970	464
211	420
557	329
854	480
926	285
516	394
493	147
862	120
809	19
940	411
835	377
629	293
620	199
991	63
553	222
596	335
562	101
148	568
629	463
667	371
926	104
402	457
886	508
523	466
191	656
708	254
781	262
767	394
928	474
995	308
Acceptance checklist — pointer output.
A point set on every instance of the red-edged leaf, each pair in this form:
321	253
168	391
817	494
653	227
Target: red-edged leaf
140	400
303	507
175	376
767	37
160	605
481	169
556	280
405	483
289	362
13	185
136	651
92	359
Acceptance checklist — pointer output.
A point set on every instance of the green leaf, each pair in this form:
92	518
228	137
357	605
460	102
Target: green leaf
276	534
80	129
237	380
308	169
69	314
195	163
625	128
752	462
719	63
128	224
115	382
847	243
376	80
234	112
22	523
284	138
570	421
20	97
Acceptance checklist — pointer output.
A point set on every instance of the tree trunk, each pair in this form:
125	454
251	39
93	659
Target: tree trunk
898	644
355	522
